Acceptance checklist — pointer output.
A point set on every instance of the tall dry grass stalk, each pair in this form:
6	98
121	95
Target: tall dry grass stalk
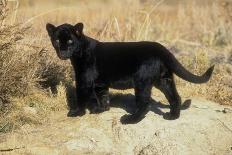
22	64
17	67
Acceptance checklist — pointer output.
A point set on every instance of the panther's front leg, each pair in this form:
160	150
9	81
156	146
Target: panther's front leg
102	93
93	102
78	108
85	96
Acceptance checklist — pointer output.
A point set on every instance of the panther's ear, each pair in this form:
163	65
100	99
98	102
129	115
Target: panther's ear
79	28
51	29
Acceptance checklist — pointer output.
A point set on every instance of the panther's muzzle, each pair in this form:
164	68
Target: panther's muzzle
64	55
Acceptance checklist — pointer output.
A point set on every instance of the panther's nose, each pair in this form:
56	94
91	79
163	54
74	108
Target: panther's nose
63	56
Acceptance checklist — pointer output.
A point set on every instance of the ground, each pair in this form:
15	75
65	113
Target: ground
203	128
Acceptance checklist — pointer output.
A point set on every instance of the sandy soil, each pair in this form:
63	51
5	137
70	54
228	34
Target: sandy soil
203	128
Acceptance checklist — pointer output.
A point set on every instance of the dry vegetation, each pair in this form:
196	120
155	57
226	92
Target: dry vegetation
198	34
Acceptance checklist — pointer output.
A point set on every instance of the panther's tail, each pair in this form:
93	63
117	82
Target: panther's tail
183	73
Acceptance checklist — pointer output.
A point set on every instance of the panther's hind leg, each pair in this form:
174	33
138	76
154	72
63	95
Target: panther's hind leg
143	99
143	82
168	87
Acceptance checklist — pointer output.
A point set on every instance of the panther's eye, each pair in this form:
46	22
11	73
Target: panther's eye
57	41
70	41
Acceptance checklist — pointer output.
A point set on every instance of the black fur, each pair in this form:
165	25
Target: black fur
120	65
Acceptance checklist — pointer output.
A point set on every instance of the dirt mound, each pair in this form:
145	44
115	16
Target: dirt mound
203	128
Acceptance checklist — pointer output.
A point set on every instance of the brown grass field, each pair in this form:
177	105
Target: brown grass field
199	34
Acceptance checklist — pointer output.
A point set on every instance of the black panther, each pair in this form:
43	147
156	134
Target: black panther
100	65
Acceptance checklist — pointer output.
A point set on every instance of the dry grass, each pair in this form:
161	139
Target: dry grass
199	35
24	67
33	108
17	66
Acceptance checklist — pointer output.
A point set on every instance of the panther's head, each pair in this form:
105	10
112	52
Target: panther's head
66	39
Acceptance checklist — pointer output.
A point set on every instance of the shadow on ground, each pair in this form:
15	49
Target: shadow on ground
127	102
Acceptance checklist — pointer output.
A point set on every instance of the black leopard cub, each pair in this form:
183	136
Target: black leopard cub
100	65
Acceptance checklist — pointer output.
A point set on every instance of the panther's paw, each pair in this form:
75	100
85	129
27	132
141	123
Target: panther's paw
76	112
105	104
131	119
106	107
96	110
170	116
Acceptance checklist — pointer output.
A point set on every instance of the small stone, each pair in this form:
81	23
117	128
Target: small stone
93	140
226	110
